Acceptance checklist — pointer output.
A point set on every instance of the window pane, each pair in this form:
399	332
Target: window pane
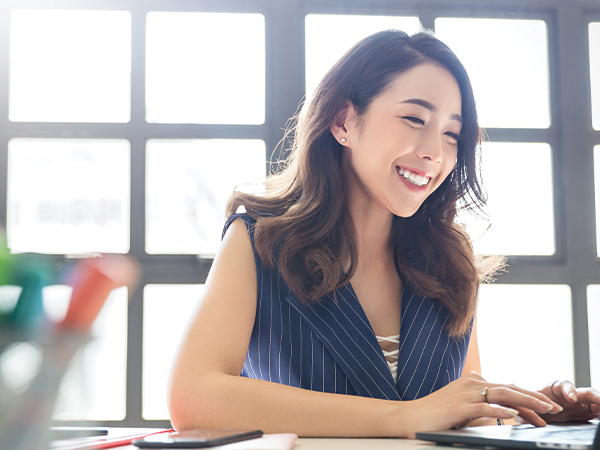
593	301
597	195
65	66
167	309
511	320
188	183
68	195
507	61
93	388
328	37
205	68
520	207
595	72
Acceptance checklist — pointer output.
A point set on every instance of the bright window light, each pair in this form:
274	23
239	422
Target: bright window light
510	314
205	68
328	37
507	61
70	66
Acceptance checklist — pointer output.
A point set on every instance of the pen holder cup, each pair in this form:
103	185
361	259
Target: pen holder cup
31	368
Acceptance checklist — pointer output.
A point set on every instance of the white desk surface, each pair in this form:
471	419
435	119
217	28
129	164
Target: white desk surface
362	444
321	443
349	444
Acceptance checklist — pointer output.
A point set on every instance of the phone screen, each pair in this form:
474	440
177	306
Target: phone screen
198	438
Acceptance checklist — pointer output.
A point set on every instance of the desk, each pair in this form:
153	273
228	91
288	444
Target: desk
316	443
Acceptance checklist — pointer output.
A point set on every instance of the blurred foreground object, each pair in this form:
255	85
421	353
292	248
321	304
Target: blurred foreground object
34	351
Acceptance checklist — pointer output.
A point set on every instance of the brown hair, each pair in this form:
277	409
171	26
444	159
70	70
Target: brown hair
302	223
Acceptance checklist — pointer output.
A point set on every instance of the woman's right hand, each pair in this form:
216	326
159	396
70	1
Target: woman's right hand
472	397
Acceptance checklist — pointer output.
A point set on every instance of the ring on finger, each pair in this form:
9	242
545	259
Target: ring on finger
552	390
589	408
483	393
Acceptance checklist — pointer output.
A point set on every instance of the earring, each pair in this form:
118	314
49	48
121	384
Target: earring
343	140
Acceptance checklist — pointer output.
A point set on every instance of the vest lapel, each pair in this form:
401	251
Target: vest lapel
425	346
343	328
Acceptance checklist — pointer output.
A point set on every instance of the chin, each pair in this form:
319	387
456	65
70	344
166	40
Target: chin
406	213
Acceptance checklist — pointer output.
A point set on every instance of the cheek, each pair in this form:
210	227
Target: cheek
450	158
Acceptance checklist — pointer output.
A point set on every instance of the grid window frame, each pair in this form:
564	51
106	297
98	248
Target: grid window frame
570	136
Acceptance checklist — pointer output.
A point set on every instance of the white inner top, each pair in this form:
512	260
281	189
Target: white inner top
393	355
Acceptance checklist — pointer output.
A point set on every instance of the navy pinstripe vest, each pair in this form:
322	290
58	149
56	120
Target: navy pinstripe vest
330	346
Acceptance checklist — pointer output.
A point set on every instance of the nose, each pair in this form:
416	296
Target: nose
431	148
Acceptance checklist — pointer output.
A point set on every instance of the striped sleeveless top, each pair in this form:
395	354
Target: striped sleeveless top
329	346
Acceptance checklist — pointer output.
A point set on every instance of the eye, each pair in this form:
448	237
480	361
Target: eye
414	119
454	136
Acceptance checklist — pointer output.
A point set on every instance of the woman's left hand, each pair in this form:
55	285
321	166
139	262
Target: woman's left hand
579	404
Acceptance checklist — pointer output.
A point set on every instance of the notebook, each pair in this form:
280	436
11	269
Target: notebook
568	436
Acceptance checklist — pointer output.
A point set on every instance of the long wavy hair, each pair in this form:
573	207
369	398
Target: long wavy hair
303	225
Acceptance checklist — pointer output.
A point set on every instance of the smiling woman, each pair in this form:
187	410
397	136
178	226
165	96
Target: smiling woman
355	244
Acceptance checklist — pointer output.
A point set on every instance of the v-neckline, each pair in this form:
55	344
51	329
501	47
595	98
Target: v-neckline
368	322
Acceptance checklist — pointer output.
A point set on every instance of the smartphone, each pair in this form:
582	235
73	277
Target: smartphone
198	438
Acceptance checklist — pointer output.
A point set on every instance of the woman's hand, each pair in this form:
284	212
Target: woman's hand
472	397
579	404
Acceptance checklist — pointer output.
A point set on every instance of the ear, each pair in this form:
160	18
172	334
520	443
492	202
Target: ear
338	127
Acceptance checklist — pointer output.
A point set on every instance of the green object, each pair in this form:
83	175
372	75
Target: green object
32	273
7	262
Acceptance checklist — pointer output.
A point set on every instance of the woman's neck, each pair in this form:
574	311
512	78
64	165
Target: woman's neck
373	227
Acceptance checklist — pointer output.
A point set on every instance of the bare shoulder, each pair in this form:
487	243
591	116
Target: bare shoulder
219	330
233	271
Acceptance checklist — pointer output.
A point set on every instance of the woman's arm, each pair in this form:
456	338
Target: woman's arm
472	360
206	389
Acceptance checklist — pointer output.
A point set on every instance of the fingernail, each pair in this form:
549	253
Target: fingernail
572	396
547	406
512	412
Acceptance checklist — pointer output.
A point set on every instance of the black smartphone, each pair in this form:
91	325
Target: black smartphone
198	438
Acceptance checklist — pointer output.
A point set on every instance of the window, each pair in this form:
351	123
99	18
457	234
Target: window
129	138
56	78
205	68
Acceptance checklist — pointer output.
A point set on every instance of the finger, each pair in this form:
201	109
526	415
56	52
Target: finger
531	417
537	394
564	389
516	398
588	396
480	410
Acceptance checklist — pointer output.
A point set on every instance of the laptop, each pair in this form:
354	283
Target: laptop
584	436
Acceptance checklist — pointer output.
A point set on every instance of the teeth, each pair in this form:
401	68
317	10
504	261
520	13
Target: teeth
412	177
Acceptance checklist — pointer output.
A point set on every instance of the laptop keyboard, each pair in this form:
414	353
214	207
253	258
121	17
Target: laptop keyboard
583	434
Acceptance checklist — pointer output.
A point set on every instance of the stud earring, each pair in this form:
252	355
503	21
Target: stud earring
343	140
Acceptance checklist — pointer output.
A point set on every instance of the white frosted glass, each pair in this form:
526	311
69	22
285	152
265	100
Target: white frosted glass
205	68
525	334
593	304
328	37
93	388
507	61
597	195
520	207
167	309
594	30
70	66
68	195
188	183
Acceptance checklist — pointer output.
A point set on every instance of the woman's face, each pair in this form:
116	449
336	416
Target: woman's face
405	145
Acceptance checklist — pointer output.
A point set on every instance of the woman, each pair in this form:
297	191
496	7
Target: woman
354	240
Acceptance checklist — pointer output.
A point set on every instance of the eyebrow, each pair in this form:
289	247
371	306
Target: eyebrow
425	104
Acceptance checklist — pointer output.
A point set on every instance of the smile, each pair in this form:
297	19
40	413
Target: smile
412	177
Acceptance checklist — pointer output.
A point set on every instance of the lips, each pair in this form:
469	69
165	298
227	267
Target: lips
412	177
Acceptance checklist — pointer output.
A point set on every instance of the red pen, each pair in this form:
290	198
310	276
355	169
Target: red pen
107	442
93	280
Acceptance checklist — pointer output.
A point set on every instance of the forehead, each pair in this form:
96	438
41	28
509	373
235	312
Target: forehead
430	82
